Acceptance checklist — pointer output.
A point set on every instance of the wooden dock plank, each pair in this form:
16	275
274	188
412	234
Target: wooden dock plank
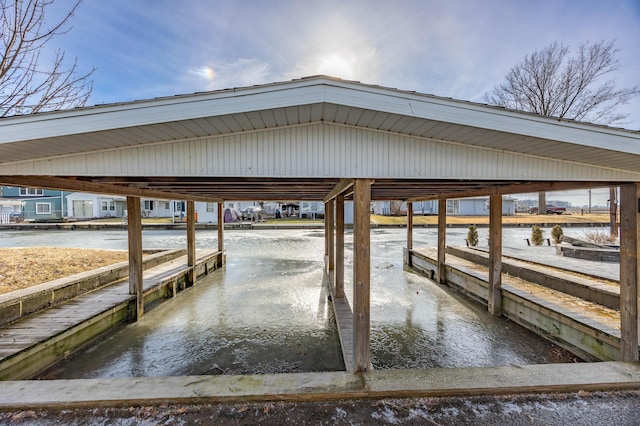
39	327
562	302
344	321
586	328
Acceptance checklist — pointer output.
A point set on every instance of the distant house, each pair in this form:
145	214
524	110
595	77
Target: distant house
89	206
8	209
38	204
8	205
474	206
311	209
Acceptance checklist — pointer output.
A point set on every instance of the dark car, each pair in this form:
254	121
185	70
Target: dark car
16	217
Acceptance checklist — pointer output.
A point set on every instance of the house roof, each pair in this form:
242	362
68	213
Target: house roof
521	148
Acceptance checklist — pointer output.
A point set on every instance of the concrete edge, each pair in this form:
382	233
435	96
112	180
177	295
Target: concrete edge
58	394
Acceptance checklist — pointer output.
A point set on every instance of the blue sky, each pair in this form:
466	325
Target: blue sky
455	48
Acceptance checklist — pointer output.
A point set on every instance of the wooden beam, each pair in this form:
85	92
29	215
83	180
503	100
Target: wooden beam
326	240
613	210
79	185
330	218
442	241
409	226
343	186
513	189
191	241
220	234
361	275
134	230
495	255
407	259
542	202
629	270
339	275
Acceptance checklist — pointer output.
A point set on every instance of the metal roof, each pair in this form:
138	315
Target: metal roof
25	140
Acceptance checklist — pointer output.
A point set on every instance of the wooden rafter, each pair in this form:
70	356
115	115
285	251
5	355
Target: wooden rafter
343	187
513	188
77	184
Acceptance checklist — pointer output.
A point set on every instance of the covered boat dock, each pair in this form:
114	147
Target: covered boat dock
321	138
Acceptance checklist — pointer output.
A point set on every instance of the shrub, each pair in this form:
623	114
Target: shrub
556	233
599	236
472	236
537	235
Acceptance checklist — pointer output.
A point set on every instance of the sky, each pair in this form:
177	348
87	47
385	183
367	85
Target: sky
461	49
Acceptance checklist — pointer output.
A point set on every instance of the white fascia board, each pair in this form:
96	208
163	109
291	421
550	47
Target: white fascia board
484	117
312	91
83	120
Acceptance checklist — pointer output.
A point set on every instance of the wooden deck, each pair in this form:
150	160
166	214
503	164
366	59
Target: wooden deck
344	321
585	328
38	340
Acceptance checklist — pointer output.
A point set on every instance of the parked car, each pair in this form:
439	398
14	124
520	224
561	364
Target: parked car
550	209
16	217
252	212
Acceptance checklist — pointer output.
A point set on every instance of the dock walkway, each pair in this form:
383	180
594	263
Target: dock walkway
38	340
590	329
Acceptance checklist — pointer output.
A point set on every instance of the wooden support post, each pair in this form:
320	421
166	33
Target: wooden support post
191	242
330	219
361	275
409	233
326	240
220	260
442	240
495	254
134	229
542	202
629	270
613	210
339	276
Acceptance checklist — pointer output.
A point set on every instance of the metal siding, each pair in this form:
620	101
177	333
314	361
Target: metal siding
317	150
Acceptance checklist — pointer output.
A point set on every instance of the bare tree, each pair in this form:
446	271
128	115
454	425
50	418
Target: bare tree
551	83
395	208
28	82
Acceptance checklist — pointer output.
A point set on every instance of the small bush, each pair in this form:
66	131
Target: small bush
472	236
599	236
537	235
556	234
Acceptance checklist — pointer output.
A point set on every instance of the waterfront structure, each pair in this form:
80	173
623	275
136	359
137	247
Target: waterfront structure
325	139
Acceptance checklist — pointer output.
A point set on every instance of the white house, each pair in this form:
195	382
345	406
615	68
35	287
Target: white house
81	205
473	206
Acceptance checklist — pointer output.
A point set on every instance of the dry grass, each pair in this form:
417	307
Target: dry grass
598	236
24	267
484	220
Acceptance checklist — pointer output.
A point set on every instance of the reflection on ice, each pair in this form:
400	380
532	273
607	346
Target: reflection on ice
267	312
